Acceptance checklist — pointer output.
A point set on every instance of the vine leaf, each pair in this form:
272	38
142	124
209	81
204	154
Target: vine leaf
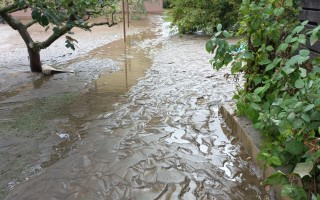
277	178
294	147
294	192
303	169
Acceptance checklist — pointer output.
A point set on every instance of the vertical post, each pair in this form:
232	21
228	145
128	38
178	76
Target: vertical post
128	13
124	21
126	68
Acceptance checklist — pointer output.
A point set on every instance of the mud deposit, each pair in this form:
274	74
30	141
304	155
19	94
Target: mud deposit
116	138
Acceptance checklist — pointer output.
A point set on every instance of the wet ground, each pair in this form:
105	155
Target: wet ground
142	123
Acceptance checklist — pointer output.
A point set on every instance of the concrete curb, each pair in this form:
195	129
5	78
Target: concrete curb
251	139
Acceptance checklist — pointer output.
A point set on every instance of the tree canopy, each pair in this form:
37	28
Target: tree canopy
60	16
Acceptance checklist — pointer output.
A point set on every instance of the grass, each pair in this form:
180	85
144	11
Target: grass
34	117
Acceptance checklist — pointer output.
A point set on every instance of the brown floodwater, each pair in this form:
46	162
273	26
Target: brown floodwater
143	123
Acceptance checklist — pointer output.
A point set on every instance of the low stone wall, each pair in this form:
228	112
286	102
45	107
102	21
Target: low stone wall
251	139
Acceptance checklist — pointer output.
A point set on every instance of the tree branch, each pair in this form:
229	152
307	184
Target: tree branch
54	37
8	8
88	26
17	9
30	23
97	24
17	25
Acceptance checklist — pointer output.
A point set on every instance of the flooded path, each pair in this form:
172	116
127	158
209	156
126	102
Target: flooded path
158	138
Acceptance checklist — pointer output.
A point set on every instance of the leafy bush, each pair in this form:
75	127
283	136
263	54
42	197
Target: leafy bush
281	94
195	15
166	4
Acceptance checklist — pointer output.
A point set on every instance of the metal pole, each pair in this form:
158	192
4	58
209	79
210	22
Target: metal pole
124	20
128	13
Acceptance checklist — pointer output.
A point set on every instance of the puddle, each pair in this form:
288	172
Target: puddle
133	134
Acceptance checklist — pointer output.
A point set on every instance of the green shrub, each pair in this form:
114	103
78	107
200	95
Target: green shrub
203	15
167	4
281	94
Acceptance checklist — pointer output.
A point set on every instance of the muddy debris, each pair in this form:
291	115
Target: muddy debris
150	130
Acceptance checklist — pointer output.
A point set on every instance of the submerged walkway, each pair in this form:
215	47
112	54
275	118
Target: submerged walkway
163	140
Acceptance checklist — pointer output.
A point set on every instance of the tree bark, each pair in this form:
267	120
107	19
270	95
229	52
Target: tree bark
35	63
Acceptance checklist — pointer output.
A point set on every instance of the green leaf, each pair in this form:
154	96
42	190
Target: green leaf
294	47
248	55
273	64
298	29
303	169
303	72
288	3
302	39
44	21
314	36
258	90
314	197
227	34
255	106
269	48
288	70
282	47
265	61
298	106
304	52
305	117
255	98
288	39
278	11
309	107
36	15
297	59
209	46
257	80
305	22
294	192
236	66
219	27
267	155
56	30
299	84
294	147
277	178
291	117
297	124
317	102
275	161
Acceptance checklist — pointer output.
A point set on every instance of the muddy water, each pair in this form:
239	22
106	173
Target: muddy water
33	116
158	138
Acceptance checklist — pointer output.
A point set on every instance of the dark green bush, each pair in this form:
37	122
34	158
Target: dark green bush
167	4
203	15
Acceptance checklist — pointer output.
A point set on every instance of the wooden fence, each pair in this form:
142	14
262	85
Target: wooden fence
311	11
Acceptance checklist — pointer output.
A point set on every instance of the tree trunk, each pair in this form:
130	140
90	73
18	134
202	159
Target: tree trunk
35	63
